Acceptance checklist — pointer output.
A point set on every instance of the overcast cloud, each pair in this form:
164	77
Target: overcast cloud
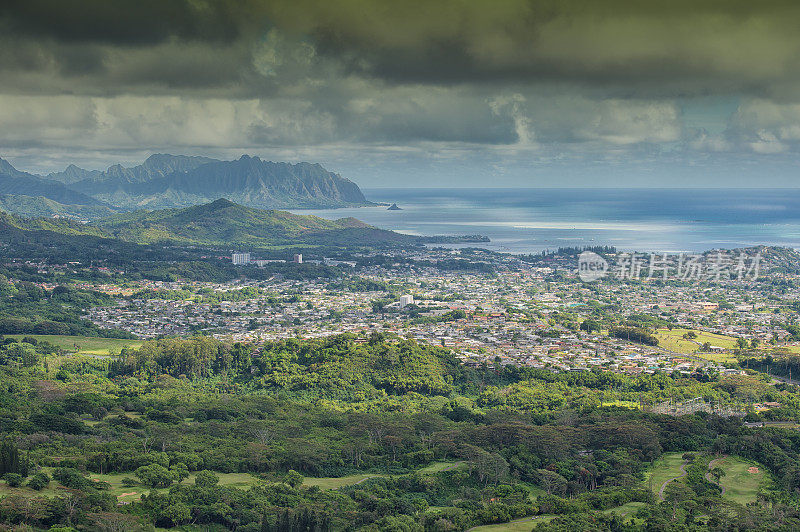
452	92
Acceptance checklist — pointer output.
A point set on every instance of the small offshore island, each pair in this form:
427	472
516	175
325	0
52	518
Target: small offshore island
394	207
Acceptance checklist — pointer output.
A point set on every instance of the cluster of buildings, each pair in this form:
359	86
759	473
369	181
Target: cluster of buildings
522	315
523	312
241	258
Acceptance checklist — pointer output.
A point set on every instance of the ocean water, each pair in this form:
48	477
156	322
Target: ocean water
532	220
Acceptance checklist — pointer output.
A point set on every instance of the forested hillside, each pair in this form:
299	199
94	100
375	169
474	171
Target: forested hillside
244	438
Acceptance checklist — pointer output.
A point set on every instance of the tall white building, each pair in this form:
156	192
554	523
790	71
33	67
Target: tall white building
298	258
406	300
240	258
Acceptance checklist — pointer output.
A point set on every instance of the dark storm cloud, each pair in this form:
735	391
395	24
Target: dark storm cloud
680	47
604	77
128	22
658	47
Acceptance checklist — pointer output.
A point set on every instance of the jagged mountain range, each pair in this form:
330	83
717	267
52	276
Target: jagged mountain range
169	181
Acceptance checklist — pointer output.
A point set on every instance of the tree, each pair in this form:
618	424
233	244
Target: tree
717	473
590	325
39	481
552	482
180	470
177	513
206	479
10	459
114	522
293	478
742	343
155	476
14	480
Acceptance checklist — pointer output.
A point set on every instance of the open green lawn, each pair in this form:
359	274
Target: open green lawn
534	490
519	525
740	485
673	341
332	483
237	480
50	491
719	358
132	493
126	493
666	467
87	345
440	466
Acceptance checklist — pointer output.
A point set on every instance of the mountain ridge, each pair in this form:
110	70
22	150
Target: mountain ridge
14	182
171	181
165	181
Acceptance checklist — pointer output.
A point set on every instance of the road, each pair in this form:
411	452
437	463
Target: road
709	478
664	485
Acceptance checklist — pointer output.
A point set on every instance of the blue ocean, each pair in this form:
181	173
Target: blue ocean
532	220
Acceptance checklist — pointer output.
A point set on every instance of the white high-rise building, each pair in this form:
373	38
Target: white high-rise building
406	300
298	258
240	258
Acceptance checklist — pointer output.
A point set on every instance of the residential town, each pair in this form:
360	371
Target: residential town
521	313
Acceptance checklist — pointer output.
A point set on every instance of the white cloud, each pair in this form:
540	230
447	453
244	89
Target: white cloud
766	127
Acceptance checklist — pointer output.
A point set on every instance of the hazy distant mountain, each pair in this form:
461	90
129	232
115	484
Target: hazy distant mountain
16	183
223	222
177	181
169	181
73	174
157	165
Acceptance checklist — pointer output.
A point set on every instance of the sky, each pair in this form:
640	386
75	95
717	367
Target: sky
444	93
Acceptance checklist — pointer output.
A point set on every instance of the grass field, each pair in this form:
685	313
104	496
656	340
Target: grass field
740	485
673	341
519	525
533	489
127	493
133	493
50	491
666	467
86	345
332	483
440	466
237	480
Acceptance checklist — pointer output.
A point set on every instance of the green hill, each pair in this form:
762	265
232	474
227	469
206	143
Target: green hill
223	222
13	224
220	223
41	206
